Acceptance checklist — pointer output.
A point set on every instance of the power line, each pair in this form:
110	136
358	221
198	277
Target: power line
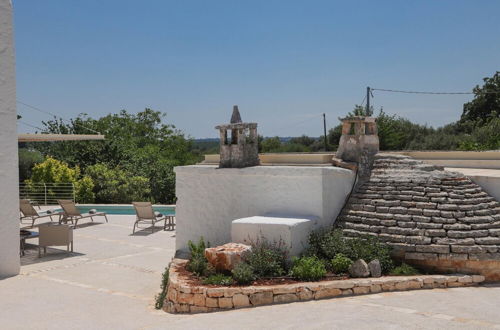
33	126
57	116
418	92
300	122
431	93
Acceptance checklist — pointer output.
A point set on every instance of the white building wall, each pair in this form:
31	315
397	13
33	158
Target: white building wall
209	198
9	195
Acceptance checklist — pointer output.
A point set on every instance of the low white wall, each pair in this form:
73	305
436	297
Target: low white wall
468	159
464	159
9	194
490	184
209	198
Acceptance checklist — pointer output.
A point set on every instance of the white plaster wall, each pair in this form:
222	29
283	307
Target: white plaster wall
490	184
9	195
209	198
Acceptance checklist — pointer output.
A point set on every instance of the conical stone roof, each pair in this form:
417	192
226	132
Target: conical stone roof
424	213
235	117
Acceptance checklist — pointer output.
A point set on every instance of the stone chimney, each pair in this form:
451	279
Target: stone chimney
359	143
239	148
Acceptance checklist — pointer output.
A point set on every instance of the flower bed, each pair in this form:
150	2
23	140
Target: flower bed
186	295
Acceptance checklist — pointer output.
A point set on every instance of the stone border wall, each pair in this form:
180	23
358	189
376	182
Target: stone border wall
183	297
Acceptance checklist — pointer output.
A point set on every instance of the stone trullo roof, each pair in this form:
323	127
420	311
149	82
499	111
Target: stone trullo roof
424	212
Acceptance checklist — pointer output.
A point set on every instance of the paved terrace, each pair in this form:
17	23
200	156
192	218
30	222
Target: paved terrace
109	282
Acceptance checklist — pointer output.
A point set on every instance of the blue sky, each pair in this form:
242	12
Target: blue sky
283	62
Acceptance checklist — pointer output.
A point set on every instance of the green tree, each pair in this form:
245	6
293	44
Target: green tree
53	171
27	159
360	110
303	140
142	144
271	144
117	186
486	102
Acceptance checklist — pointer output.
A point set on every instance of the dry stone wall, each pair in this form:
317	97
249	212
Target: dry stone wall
185	297
429	216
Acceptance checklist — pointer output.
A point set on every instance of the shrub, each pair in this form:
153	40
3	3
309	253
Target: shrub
198	250
370	248
326	244
84	190
27	159
243	273
267	259
340	263
114	185
198	264
308	269
404	269
160	298
218	279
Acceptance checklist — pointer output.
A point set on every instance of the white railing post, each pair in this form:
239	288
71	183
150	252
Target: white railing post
45	192
74	196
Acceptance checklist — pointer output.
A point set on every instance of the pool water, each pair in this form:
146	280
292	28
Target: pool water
123	209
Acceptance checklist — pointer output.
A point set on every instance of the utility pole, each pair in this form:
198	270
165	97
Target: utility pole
324	129
367	101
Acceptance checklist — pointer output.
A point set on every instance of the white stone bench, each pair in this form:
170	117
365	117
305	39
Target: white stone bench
292	231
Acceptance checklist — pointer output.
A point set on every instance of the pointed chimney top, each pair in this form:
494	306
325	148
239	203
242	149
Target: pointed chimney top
235	118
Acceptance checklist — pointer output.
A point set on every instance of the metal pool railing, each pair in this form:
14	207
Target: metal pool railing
46	193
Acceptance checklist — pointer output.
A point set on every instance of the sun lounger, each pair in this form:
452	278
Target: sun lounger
29	212
71	213
145	213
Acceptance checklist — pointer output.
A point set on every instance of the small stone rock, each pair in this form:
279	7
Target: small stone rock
185	298
359	268
285	298
361	290
477	278
241	300
375	268
199	299
261	298
376	288
226	303
327	293
212	302
227	256
305	294
198	309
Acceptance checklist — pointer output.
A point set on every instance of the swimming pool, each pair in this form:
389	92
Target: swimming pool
123	209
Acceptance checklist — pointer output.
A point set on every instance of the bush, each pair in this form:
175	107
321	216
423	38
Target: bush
267	259
198	264
160	298
84	190
54	171
116	185
340	263
198	250
404	270
243	273
308	269
326	244
370	248
28	159
218	279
